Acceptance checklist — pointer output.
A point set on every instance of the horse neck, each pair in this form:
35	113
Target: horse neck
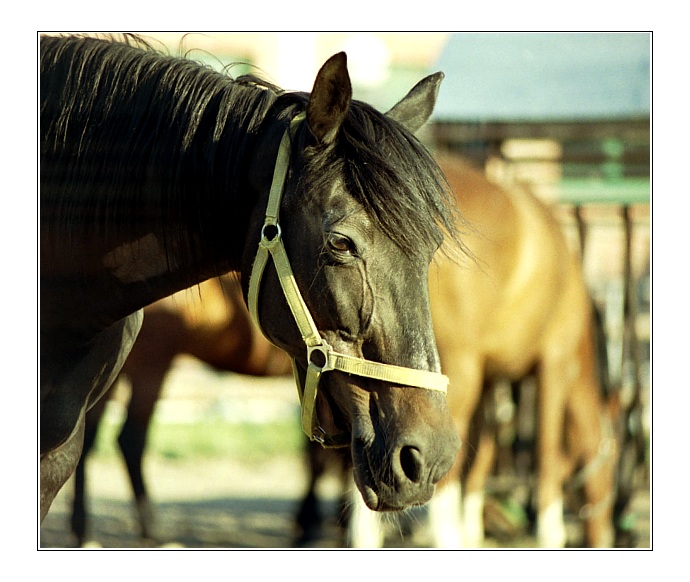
173	211
169	248
204	229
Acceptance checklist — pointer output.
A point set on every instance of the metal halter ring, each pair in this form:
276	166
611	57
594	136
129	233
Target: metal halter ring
268	241
325	350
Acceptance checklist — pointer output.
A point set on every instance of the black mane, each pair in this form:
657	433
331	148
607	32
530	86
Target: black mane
389	172
113	110
158	111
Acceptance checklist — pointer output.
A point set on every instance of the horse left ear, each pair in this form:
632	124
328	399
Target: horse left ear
415	109
330	99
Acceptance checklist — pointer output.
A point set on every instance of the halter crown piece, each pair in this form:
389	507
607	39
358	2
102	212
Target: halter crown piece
320	356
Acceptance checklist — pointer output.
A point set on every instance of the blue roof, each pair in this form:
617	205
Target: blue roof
544	77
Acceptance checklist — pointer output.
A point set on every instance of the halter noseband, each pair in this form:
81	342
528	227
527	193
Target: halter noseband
320	356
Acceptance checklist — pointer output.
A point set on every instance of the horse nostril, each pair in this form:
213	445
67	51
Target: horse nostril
411	462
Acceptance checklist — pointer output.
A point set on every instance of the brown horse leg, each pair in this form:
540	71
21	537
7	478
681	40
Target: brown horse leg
445	507
146	387
480	460
79	519
364	528
589	443
309	519
557	372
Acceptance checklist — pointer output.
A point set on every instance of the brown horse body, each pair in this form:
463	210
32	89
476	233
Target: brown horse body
209	322
518	307
522	308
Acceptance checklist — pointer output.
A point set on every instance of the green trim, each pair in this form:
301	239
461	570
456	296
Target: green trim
583	191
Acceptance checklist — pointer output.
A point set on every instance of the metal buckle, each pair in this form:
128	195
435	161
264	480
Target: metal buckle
319	438
336	441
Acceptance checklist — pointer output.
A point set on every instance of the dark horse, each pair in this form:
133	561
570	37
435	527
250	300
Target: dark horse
158	173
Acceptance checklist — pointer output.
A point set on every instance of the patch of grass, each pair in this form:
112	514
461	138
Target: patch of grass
243	442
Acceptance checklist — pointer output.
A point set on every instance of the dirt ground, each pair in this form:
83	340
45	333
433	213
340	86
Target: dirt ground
221	504
202	504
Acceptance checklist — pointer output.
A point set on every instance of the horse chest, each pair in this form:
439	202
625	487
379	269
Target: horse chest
509	362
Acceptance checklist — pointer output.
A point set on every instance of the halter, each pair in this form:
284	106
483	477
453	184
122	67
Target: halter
320	356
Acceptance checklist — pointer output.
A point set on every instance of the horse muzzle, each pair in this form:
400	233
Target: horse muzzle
396	471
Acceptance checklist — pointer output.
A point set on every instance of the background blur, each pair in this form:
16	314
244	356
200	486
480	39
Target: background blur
383	66
568	114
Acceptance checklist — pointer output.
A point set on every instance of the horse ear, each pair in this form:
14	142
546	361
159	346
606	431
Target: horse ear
330	99
415	109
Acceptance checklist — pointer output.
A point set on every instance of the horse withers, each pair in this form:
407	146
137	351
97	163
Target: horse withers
158	173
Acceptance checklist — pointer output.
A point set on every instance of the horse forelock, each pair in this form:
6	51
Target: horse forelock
393	176
400	183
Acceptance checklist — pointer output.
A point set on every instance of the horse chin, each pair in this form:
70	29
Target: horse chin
333	421
361	427
365	481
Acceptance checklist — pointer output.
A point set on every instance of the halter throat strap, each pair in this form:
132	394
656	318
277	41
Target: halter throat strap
321	357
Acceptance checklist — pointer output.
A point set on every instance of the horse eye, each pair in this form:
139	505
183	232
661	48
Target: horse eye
341	244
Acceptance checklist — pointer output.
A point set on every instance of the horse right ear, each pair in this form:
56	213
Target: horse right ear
415	109
330	99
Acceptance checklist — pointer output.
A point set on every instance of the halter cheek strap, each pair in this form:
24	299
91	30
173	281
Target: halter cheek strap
321	357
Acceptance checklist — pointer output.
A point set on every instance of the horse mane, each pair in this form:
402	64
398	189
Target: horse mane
164	108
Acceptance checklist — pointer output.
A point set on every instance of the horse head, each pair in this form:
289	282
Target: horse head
361	209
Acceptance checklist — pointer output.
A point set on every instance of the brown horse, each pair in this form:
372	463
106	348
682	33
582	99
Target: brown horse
520	308
209	322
